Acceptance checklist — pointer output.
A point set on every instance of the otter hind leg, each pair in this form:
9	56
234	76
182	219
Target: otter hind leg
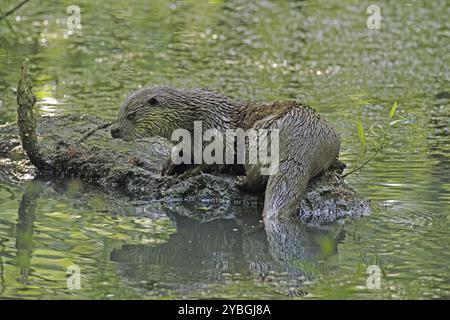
307	147
284	192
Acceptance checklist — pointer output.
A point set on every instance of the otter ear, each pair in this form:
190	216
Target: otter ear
153	101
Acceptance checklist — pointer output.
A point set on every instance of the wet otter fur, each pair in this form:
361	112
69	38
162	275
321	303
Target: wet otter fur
308	144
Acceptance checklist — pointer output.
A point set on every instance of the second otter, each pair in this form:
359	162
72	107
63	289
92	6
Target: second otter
308	144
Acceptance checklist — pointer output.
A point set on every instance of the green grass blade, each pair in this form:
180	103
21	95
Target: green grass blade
361	132
394	107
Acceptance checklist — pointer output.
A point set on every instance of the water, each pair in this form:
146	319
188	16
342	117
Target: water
321	53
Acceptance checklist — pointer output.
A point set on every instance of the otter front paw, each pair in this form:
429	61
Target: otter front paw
251	185
168	168
242	183
192	172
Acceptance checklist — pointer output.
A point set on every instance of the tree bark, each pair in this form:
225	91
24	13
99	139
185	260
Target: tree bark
27	121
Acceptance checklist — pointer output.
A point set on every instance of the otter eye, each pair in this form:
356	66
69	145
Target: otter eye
131	116
152	101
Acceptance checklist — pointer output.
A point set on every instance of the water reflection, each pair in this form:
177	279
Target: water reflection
24	230
23	233
199	254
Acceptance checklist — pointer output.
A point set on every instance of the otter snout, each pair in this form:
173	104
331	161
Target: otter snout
115	132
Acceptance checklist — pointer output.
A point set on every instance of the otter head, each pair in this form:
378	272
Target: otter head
152	112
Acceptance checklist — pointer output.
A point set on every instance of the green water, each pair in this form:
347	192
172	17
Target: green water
319	52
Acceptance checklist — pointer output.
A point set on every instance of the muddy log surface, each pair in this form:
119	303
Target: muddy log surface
132	169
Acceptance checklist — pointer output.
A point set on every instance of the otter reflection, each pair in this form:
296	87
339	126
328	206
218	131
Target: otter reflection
281	255
199	254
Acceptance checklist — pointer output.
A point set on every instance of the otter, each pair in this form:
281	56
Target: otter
308	144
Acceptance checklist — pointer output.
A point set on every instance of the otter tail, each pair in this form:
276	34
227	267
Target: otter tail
307	147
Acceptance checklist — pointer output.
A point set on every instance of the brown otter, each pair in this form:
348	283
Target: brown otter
308	144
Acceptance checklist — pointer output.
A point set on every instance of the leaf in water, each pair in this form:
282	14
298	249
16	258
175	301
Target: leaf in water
395	122
394	107
361	132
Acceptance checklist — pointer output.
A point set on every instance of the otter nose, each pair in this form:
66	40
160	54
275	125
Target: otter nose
115	132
